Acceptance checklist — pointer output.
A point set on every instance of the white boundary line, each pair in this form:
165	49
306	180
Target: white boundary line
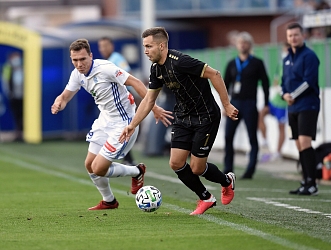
210	218
288	206
177	181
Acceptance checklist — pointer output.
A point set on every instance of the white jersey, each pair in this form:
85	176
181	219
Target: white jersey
105	82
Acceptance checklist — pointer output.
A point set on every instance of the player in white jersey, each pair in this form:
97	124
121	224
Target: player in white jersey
106	48
107	84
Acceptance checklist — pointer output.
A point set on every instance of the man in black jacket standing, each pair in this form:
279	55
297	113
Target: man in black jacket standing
241	78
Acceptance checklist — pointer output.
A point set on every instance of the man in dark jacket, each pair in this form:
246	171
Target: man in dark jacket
241	78
301	92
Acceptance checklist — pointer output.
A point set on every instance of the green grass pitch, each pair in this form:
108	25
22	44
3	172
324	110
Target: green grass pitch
45	192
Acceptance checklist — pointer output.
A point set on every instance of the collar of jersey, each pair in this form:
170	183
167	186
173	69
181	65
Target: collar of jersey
90	69
298	50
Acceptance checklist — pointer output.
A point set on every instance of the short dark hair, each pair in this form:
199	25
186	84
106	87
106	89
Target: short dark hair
158	33
107	38
80	44
294	26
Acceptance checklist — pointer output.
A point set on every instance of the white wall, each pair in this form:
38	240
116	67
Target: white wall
289	149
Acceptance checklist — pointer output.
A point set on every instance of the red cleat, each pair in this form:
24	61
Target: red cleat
138	182
203	205
103	205
228	192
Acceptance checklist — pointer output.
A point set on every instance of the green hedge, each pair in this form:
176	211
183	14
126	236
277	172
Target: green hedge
270	54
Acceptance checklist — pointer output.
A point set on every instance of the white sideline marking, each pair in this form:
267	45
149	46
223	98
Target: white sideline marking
177	181
300	199
210	218
243	228
296	208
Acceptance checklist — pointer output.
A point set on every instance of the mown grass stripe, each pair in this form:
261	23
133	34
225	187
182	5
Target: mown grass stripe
244	228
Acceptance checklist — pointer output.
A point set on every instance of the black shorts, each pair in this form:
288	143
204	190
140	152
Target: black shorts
198	139
303	123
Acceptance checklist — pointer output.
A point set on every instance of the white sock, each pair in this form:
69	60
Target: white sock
117	169
102	184
264	143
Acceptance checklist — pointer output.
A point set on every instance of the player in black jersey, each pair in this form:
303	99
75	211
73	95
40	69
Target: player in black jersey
197	115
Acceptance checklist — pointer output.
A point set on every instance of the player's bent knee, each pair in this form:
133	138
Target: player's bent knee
175	165
88	166
98	170
196	169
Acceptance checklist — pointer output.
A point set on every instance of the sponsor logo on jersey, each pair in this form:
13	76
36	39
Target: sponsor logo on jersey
93	93
131	98
173	85
204	148
95	79
118	73
82	82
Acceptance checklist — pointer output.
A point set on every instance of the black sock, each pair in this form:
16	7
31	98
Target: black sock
110	202
192	181
308	162
212	173
304	170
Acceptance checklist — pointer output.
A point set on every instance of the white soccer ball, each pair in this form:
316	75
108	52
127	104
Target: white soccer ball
148	198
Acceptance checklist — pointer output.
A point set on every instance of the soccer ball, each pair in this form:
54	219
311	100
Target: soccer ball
148	198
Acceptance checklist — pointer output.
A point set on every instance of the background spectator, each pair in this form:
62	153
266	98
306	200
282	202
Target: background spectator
277	109
13	83
241	78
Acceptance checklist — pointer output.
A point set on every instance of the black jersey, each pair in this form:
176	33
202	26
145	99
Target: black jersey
182	74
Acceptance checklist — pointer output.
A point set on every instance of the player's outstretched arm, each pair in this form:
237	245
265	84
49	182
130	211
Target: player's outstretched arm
216	79
61	101
138	85
145	106
159	113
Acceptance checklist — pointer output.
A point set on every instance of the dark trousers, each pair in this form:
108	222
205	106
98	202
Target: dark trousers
248	112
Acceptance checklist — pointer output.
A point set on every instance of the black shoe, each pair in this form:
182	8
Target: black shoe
309	190
297	191
246	177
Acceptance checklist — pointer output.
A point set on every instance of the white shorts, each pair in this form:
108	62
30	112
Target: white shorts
103	138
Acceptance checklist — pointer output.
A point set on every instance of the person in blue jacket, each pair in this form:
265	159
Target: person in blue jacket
301	92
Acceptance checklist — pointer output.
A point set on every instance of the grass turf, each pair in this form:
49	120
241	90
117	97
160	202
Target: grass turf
45	193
